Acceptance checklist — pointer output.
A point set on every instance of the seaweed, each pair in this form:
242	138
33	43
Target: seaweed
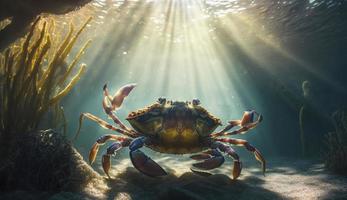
306	90
34	77
336	157
33	80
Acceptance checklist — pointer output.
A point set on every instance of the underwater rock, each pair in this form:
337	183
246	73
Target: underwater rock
45	161
23	12
336	157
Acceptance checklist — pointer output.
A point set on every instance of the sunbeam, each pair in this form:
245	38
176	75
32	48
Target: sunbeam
226	53
192	93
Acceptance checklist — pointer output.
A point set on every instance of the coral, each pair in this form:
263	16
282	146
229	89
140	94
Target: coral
336	158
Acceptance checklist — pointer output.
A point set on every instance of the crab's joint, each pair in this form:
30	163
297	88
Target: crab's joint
216	160
123	141
104	138
246	123
249	147
111	150
137	143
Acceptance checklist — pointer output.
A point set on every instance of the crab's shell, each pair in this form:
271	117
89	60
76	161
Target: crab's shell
176	127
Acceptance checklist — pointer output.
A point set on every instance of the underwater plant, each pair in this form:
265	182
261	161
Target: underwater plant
302	105
34	77
312	123
336	158
306	90
33	80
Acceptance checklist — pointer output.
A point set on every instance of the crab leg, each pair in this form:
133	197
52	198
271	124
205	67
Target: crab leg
142	162
203	155
248	146
102	140
214	160
111	150
112	103
217	159
103	124
231	152
246	123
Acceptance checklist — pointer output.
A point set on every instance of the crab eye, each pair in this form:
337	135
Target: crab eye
161	100
196	102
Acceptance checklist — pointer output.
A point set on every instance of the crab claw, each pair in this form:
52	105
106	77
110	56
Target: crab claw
210	163
202	156
145	164
121	94
93	151
247	117
237	169
201	173
106	163
118	98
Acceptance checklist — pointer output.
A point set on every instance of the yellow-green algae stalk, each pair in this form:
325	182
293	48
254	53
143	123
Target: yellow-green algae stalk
29	86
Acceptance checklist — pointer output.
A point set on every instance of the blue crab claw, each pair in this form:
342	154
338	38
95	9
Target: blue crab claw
145	164
210	163
201	156
201	173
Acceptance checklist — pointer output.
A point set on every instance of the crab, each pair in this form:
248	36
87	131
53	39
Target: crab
173	127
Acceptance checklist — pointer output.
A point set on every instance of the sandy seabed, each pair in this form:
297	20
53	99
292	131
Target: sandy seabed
285	179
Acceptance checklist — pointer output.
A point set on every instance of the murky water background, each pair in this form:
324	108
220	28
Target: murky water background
286	59
232	55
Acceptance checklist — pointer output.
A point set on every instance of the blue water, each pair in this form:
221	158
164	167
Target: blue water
232	55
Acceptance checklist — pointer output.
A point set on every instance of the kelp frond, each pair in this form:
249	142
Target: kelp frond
32	79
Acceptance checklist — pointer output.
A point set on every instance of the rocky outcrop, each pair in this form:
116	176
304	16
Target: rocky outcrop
23	12
45	161
336	158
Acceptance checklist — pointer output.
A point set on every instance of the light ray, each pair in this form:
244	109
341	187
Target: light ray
182	49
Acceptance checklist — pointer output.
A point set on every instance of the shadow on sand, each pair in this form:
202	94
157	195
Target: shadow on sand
133	185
